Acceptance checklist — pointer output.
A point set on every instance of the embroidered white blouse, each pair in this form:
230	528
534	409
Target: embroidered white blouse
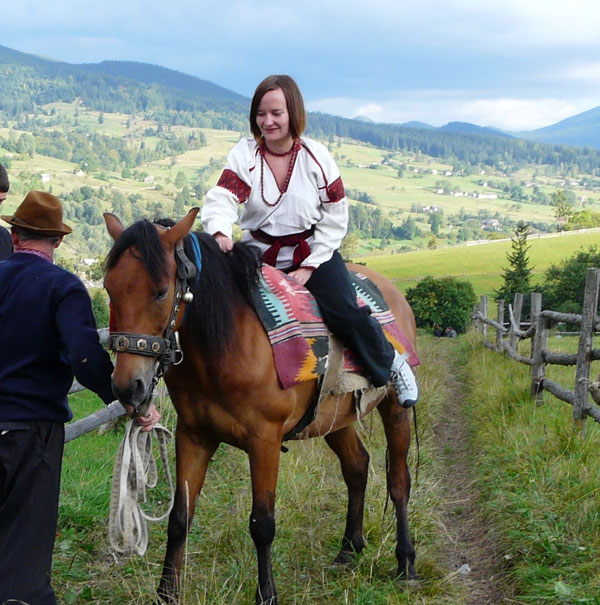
314	198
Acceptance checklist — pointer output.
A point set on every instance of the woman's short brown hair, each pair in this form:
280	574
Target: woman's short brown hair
293	98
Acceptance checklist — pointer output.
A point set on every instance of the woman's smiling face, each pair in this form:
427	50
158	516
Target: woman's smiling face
273	120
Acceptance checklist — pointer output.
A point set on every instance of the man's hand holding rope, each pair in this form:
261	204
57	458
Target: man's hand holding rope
148	421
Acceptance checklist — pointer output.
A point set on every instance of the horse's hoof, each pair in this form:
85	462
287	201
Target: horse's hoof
164	599
349	552
346	558
272	600
410	576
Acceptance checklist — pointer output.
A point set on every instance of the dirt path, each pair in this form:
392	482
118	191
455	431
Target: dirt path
473	553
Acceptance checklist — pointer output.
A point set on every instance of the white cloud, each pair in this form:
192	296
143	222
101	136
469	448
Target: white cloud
588	71
352	57
440	107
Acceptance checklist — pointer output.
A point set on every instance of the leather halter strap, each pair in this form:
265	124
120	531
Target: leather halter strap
141	344
166	348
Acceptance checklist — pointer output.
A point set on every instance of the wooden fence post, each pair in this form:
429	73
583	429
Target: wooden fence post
538	347
513	340
484	308
582	374
500	320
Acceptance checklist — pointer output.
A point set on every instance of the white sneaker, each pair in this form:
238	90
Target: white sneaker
404	381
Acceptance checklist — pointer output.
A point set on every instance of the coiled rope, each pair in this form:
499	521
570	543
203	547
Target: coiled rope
135	470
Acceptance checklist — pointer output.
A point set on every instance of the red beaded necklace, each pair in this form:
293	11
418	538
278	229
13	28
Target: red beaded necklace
277	153
293	153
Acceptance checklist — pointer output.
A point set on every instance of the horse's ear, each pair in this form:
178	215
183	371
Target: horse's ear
181	229
114	225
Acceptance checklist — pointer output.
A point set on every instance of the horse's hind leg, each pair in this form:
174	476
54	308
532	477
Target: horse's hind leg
354	461
396	422
193	456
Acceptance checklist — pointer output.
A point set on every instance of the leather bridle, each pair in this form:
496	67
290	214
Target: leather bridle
164	348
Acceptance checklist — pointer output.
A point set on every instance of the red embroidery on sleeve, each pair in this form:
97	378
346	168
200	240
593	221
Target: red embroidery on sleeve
232	182
335	191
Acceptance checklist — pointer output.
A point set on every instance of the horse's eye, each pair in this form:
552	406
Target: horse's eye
161	294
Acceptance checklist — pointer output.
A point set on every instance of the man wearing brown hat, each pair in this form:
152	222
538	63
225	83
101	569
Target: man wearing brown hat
47	335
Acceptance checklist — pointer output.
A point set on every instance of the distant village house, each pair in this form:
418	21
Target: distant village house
490	224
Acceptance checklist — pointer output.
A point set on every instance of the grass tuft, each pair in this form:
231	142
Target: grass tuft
539	479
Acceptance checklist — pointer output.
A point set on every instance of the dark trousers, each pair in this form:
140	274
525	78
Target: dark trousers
30	466
331	286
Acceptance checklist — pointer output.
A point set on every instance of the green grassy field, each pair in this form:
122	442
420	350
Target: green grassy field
539	479
481	265
220	563
538	482
361	169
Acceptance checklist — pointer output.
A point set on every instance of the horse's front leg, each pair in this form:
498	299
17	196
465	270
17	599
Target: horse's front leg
193	455
264	467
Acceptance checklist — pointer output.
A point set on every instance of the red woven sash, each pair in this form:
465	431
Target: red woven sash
301	251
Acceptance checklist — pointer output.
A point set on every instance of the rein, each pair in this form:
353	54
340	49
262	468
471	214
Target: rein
134	471
164	348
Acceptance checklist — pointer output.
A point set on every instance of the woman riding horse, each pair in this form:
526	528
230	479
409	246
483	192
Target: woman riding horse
295	212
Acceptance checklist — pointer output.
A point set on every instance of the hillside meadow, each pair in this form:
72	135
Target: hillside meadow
481	264
399	183
538	485
220	565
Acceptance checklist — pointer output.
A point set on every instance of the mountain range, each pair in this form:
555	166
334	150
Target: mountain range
29	80
581	130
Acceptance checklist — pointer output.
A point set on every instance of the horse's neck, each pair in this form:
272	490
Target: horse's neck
248	340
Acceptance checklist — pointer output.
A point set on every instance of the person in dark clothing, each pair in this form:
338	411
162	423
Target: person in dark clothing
47	335
5	239
437	330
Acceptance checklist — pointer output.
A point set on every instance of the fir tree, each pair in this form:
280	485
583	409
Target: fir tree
517	276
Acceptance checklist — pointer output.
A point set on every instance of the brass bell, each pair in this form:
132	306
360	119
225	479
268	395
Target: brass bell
188	297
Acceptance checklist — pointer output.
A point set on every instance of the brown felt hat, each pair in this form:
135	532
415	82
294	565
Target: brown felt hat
40	212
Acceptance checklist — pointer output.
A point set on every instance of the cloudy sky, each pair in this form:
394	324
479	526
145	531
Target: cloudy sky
512	64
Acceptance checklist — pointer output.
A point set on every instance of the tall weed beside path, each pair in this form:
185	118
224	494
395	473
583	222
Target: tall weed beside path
540	482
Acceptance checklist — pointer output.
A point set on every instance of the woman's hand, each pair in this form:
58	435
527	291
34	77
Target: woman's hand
302	275
147	421
225	242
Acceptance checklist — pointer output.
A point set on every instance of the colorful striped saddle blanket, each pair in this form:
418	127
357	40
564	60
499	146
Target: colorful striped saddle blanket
298	336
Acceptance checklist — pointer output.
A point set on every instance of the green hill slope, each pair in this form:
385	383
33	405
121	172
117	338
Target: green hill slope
481	265
128	87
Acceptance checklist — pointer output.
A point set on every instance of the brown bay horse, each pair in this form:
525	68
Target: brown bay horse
224	384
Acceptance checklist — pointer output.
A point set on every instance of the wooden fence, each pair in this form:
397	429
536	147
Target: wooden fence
508	334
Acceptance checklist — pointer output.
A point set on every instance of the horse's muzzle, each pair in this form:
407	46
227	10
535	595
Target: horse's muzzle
136	393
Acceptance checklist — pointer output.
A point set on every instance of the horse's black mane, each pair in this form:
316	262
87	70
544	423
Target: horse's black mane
144	237
224	283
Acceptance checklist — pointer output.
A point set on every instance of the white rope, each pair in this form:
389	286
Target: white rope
134	470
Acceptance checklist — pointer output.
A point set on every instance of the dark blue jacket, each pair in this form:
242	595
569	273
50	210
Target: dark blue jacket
47	334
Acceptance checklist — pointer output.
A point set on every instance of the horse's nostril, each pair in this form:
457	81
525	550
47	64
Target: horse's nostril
133	393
